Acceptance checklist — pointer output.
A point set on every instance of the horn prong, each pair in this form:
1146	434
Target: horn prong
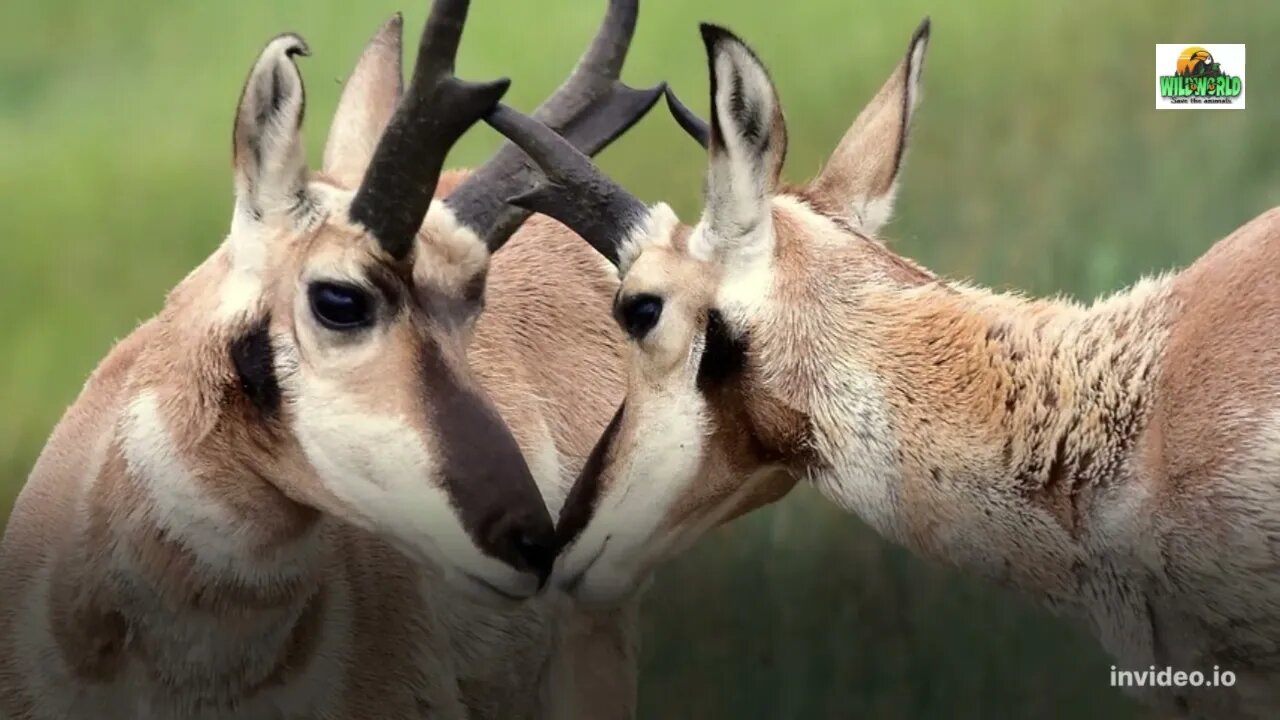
436	109
591	108
688	120
575	192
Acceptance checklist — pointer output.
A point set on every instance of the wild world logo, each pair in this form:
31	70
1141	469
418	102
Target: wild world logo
1198	76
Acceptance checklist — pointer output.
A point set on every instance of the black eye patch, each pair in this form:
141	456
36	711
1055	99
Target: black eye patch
253	357
724	355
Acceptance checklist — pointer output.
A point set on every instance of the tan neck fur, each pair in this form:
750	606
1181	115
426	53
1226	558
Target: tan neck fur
1000	421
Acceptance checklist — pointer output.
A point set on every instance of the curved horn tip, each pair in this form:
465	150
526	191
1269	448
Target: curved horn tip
688	120
652	94
488	94
627	106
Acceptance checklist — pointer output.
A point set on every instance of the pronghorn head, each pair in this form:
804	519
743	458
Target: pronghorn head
709	429
350	293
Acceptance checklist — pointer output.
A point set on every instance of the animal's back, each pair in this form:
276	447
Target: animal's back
1210	462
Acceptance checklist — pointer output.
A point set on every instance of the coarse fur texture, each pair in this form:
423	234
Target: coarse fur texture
1117	461
248	514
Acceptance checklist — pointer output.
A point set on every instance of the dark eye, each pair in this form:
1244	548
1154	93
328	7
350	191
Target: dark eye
340	307
639	313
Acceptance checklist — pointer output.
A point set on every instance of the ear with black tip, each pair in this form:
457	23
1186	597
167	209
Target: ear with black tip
270	164
748	136
368	100
861	176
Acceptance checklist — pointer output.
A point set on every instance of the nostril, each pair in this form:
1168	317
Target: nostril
524	540
532	550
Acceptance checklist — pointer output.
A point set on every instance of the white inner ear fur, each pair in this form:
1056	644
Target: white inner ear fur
739	174
271	165
736	229
872	148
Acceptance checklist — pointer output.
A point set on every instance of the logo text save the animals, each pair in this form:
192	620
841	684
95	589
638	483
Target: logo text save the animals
1191	76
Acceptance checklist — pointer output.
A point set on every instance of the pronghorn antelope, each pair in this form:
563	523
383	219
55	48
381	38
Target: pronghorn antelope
1118	461
263	500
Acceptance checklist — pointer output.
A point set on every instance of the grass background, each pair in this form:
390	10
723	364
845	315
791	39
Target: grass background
1038	162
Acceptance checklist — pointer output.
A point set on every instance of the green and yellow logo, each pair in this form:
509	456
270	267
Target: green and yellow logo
1199	79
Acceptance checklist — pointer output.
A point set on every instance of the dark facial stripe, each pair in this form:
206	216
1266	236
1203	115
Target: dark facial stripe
581	502
253	357
484	471
724	356
390	282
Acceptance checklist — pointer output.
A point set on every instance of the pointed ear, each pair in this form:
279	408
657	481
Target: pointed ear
748	140
270	165
368	100
861	176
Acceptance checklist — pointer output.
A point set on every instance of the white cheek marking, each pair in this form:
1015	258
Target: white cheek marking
203	526
382	472
218	539
662	465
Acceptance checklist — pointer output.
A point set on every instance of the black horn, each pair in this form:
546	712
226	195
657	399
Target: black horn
437	108
575	191
591	109
688	120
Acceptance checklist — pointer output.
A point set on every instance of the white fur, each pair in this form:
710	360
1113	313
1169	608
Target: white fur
655	232
738	179
275	183
871	213
241	290
452	254
178	507
667	455
865	463
381	470
547	468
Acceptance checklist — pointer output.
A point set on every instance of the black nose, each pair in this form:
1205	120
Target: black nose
526	542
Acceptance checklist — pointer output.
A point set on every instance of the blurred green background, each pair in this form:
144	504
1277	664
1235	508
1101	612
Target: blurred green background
1039	162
